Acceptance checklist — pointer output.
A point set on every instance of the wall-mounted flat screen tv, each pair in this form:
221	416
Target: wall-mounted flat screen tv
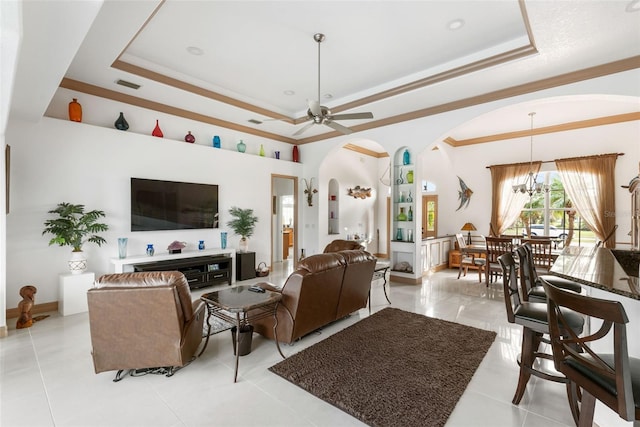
170	205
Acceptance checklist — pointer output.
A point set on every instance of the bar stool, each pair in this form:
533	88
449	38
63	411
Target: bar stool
533	318
530	281
611	378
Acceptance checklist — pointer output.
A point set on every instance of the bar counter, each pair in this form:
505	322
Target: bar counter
597	268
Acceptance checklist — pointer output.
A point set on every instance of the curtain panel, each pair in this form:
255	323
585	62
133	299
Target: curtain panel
590	185
505	204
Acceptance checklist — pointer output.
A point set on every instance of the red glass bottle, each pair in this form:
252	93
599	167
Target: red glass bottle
75	111
157	131
190	138
296	154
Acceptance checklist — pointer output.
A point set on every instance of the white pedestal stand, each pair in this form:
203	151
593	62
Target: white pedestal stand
72	292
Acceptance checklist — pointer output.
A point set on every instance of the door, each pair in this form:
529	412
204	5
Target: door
284	216
429	216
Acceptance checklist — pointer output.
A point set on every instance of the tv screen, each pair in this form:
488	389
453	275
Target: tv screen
169	205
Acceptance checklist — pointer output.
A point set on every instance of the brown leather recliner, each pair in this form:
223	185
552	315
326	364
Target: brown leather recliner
343	245
143	321
324	288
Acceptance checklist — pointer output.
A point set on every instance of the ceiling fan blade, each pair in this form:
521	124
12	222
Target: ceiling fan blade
301	130
314	107
342	129
352	116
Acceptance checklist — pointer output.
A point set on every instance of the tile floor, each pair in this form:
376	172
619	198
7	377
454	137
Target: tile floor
47	378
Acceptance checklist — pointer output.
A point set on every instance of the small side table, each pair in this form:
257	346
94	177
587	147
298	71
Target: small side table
380	272
238	305
72	292
245	265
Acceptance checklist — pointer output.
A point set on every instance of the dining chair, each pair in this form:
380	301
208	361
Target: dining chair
533	317
541	251
495	247
530	283
611	378
469	259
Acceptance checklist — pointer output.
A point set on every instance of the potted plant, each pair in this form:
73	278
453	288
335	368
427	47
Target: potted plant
73	227
243	223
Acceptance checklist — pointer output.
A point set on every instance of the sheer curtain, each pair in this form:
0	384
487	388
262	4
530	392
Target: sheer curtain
590	185
505	204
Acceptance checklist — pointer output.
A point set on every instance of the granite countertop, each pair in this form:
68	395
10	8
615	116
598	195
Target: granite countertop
601	269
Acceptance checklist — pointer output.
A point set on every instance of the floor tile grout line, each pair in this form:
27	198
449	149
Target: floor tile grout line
44	385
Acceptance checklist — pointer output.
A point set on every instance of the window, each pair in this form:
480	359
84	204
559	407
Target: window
552	214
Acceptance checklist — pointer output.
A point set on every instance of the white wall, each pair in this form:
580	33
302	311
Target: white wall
360	216
58	160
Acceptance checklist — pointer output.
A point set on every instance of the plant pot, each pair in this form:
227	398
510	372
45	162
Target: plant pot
243	245
77	262
244	342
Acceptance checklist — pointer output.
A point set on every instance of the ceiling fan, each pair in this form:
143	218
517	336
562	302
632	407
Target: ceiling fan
321	115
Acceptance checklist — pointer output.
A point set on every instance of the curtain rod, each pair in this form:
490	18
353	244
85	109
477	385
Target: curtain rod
553	161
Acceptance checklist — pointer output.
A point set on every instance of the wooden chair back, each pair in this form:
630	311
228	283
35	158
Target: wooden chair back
605	377
497	246
541	253
461	242
528	275
512	299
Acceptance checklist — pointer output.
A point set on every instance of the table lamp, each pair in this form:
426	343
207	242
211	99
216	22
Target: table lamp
468	227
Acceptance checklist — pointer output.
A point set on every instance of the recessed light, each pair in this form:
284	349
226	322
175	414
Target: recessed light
456	24
328	96
194	50
633	6
289	92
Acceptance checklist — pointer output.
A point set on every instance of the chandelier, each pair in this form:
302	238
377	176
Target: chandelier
531	186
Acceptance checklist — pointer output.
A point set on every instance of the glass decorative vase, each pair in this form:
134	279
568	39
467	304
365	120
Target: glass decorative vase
402	216
216	141
295	154
201	245
223	239
150	250
189	138
157	131
399	234
410	177
261	150
121	123
410	214
242	147
406	157
75	111
122	247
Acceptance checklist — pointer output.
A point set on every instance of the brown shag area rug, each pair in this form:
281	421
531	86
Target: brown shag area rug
393	368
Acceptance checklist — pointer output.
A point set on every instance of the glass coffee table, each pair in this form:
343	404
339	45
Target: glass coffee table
239	306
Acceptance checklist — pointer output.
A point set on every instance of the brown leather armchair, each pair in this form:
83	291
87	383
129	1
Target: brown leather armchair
342	245
143	323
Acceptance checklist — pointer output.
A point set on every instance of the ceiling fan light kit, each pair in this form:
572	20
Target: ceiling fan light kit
321	115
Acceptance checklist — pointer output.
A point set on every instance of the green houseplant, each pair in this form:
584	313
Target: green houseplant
72	226
243	224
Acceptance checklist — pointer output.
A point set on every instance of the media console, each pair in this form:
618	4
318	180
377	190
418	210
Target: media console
201	268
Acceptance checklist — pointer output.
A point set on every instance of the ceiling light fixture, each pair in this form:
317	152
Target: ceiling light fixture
194	50
456	24
531	185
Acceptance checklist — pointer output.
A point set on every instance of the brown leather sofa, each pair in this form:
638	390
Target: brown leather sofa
343	245
324	288
143	320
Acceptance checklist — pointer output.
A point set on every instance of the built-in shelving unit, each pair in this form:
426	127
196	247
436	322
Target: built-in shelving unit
334	207
404	216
